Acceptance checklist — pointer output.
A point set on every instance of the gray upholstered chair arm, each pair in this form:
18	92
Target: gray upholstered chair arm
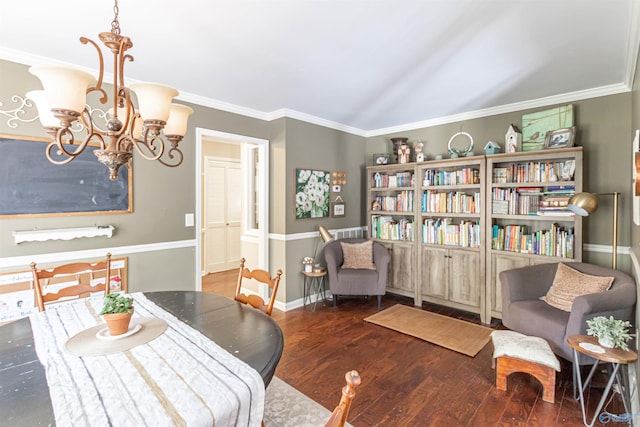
333	258
381	258
617	302
603	302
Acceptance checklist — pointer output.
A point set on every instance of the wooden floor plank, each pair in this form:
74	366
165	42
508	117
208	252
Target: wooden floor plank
406	381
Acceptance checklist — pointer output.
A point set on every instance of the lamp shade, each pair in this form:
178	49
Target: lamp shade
178	118
325	235
154	100
47	118
583	204
64	87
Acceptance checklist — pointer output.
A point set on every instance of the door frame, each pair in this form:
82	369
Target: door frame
263	194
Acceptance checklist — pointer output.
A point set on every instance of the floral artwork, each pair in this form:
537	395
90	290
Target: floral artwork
312	193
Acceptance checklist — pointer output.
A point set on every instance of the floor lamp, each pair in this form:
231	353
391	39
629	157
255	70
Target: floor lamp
325	236
584	204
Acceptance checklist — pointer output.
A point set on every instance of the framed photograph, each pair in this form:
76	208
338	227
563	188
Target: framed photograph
560	138
312	193
337	209
380	159
536	125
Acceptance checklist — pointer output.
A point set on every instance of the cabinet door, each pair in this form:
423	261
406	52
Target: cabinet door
401	268
434	280
464	276
502	263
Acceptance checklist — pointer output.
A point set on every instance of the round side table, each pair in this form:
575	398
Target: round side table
313	281
619	360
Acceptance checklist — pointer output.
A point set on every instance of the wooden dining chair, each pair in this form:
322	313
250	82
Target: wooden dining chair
339	415
261	276
70	273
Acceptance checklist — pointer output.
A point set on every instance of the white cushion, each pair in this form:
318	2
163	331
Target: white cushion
519	346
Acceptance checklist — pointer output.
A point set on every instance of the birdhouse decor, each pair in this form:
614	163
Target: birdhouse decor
513	139
417	147
492	148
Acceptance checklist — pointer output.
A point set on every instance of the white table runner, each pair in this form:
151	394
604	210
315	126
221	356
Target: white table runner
181	378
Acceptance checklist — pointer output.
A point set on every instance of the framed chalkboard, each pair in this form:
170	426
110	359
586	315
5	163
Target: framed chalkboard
30	185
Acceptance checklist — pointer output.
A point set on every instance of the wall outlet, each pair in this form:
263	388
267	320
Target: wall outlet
189	220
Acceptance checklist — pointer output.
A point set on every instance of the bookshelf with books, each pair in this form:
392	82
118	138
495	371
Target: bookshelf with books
451	248
391	212
528	221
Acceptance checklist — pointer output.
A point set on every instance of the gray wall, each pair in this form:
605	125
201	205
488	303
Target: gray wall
161	198
315	147
163	195
604	129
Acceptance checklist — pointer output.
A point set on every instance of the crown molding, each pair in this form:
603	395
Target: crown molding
632	52
222	106
293	114
507	108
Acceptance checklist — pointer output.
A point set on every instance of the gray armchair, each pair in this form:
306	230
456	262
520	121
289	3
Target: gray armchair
524	312
347	281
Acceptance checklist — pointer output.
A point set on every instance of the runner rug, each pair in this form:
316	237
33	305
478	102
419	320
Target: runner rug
285	406
457	335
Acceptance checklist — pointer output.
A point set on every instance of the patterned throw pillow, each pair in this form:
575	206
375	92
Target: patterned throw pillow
358	255
570	283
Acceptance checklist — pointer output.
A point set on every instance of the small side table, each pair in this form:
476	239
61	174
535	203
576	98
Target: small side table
313	281
617	357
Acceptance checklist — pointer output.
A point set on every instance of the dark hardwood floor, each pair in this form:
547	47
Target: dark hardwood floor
407	381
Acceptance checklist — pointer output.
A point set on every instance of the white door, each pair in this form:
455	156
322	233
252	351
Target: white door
223	209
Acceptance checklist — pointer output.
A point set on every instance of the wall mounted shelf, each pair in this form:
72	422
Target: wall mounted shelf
62	234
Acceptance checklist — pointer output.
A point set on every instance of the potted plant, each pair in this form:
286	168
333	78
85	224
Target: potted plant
117	311
611	333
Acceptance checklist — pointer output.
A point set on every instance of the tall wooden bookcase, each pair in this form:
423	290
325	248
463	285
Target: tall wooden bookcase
535	186
449	239
392	215
451	260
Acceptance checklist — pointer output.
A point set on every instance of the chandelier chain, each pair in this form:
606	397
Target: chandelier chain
115	24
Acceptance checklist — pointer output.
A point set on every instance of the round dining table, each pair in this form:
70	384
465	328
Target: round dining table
243	331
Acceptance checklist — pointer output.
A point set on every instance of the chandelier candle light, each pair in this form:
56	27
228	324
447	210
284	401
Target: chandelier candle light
64	98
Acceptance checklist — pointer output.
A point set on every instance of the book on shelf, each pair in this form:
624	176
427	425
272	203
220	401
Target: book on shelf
392	180
555	212
386	227
464	176
557	241
446	232
532	172
401	202
450	202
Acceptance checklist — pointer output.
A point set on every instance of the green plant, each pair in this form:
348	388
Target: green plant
611	330
117	303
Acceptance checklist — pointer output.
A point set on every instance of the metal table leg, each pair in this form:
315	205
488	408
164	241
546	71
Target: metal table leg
582	388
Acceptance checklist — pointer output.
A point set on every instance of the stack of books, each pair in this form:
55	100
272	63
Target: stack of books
555	201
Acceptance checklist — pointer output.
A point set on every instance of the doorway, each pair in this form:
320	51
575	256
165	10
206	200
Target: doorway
252	199
222	214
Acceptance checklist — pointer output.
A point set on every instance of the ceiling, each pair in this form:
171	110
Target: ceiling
366	66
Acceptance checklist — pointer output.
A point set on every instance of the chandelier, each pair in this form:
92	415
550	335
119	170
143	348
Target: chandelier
64	101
